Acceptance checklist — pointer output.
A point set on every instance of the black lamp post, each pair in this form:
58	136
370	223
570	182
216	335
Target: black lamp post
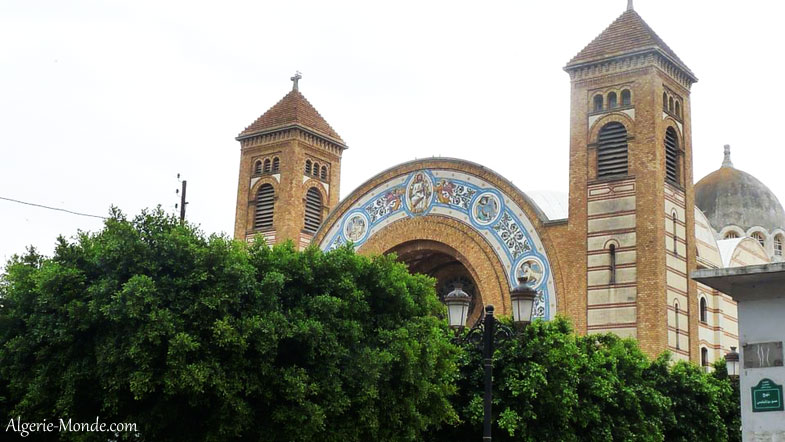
457	302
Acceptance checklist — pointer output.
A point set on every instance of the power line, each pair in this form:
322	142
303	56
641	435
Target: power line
52	208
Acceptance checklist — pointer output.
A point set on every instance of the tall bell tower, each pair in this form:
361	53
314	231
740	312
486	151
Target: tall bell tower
290	170
631	193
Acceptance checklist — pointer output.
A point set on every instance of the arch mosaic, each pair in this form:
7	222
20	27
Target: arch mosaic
461	196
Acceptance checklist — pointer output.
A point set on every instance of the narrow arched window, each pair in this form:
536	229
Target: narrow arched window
313	209
315	169
671	156
704	357
664	101
626	98
612	258
778	245
612	101
670	104
612	150
760	238
265	202
704	310
324	173
307	167
676	321
597	103
276	164
267	166
675	219
257	167
678	110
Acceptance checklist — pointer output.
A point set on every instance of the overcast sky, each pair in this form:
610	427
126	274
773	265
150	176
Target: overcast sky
103	103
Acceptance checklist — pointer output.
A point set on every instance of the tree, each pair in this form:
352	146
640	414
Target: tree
203	338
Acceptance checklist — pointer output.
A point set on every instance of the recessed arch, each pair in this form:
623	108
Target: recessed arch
626	97
434	192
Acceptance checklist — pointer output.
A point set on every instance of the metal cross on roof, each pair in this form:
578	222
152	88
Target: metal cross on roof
295	80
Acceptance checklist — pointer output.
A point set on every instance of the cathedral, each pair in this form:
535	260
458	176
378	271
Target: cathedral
614	255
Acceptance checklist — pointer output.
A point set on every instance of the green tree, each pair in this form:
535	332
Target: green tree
204	338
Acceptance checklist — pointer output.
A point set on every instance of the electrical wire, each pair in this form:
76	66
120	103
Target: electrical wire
51	208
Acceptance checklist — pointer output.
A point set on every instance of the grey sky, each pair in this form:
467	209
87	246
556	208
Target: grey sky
104	103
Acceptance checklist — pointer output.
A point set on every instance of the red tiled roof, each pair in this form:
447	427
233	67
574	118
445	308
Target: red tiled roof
628	33
293	108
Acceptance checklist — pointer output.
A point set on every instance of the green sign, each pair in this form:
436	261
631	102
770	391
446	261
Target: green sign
766	396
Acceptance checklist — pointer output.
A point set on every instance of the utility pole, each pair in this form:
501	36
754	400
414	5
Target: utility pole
183	202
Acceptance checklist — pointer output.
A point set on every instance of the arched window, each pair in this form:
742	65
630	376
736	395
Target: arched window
704	357
760	238
267	166
676	321
731	235
612	101
678	110
265	202
670	104
675	219
704	314
257	167
307	167
597	103
315	169
778	245
664	101
324	173
276	164
671	156
612	257
626	98
313	209
612	150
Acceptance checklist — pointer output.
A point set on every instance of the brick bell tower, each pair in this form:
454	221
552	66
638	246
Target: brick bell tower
631	209
290	170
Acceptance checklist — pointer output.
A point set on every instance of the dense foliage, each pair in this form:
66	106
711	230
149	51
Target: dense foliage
551	384
197	338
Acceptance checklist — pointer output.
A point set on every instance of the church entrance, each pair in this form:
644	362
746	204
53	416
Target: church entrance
444	264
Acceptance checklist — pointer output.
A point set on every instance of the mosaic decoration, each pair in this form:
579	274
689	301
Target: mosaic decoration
512	235
419	193
355	227
486	208
385	205
455	194
465	198
530	272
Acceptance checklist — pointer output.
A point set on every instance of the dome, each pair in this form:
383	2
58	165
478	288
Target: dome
729	196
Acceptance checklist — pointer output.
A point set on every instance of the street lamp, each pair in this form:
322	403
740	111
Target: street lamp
732	362
457	311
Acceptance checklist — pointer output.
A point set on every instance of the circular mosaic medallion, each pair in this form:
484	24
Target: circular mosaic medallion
530	272
419	193
355	227
486	208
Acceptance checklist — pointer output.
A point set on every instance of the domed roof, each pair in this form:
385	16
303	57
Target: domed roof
729	196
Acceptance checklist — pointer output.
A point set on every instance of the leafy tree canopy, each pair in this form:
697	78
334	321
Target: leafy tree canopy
204	338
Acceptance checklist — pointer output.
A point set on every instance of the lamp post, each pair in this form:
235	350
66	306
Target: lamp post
732	362
457	302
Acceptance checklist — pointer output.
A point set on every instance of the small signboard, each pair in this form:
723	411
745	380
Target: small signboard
766	396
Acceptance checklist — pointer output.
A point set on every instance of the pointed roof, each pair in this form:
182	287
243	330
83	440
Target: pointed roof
292	109
627	34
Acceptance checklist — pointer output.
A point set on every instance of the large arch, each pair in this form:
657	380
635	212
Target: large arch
455	211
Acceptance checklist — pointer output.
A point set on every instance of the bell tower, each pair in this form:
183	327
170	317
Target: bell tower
290	170
631	193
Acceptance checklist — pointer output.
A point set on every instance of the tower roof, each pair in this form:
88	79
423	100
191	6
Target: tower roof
627	34
292	109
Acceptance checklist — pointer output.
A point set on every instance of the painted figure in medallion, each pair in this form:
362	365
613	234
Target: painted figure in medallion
486	209
444	191
419	193
355	228
530	272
